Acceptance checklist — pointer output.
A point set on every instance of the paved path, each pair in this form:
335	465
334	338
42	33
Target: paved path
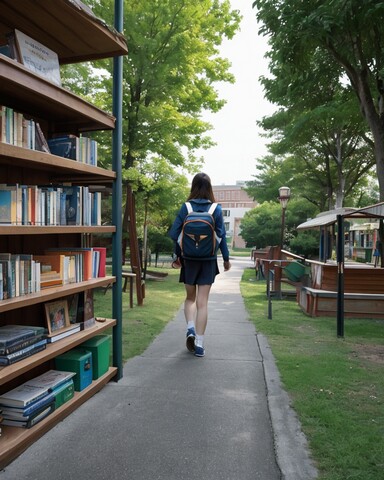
174	416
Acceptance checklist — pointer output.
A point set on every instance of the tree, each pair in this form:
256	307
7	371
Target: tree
261	226
323	130
351	32
169	78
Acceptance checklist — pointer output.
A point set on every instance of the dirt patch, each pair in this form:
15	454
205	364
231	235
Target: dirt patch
372	353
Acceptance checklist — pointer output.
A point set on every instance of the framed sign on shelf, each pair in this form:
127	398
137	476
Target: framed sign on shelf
38	58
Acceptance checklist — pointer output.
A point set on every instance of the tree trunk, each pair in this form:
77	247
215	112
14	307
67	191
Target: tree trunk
133	245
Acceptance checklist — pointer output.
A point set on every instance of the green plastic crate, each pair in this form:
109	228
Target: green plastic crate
79	361
100	347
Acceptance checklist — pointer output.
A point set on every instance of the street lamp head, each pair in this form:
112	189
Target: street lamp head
284	196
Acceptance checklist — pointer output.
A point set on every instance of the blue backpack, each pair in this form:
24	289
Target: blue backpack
198	239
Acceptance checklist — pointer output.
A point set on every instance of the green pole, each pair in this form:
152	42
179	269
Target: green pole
117	141
340	276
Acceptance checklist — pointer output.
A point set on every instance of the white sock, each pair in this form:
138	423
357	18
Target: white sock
190	324
199	340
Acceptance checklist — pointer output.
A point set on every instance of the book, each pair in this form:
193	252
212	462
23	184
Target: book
6	278
21	344
8	203
35	389
73	305
22	396
102	261
65	146
74	201
63	333
88	316
23	353
32	419
24	413
41	143
52	268
14	334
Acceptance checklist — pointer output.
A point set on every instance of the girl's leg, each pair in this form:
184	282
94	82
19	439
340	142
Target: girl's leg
202	308
190	304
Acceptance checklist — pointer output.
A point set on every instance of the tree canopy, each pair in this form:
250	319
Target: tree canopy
315	46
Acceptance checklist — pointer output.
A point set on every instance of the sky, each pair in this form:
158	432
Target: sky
235	132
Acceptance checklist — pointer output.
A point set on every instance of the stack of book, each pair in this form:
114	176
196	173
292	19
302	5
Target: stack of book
82	149
49	205
31	402
21	131
18	342
19	275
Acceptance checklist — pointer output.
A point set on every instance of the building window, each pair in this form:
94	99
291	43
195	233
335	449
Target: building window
226	213
226	225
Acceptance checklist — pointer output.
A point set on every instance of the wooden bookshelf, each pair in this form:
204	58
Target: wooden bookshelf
68	28
15	440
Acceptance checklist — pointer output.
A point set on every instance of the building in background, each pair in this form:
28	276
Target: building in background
235	202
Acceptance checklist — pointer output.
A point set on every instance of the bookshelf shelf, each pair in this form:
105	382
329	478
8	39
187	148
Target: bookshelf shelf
16	440
51	230
49	21
50	294
53	350
31	94
59	169
69	28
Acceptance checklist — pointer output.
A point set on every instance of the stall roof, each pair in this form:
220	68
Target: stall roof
330	217
325	218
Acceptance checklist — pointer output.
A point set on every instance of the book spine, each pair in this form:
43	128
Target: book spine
40	416
41	403
20	346
26	352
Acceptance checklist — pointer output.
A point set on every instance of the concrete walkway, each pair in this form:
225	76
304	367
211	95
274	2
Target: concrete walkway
174	416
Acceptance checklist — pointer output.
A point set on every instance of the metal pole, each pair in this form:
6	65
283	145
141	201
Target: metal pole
269	296
340	276
117	141
282	230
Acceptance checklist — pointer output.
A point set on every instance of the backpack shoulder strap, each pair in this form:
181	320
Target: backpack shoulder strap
212	208
189	207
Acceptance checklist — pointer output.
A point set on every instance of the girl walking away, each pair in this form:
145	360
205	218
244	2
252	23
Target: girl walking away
199	233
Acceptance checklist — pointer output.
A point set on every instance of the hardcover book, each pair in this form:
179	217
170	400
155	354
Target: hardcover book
13	334
32	419
35	389
24	353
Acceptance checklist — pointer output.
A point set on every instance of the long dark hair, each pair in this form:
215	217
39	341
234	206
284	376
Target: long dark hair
201	188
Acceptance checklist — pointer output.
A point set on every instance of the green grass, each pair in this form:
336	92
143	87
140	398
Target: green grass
240	252
336	385
142	324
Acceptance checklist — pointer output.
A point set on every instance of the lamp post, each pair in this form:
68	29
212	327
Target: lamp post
284	196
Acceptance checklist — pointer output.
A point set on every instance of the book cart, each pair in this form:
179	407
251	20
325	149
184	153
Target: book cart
68	28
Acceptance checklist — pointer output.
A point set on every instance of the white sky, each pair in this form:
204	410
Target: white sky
238	138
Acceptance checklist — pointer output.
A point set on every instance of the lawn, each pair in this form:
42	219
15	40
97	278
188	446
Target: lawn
336	385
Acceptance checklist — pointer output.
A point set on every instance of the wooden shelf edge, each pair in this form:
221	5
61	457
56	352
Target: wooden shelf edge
16	76
53	350
37	159
53	293
54	229
15	440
